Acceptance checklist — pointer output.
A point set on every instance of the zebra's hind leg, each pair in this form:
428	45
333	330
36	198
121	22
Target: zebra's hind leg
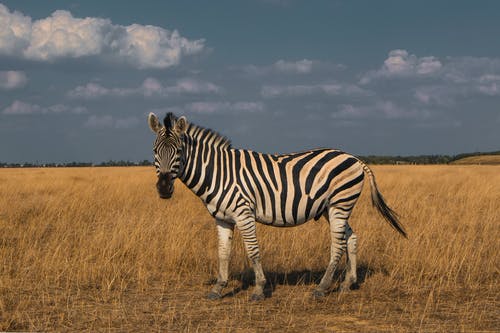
247	228
352	249
225	234
338	225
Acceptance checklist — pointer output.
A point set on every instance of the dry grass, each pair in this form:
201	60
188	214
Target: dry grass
96	249
479	159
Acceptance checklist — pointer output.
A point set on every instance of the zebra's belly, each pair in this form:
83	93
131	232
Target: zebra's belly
291	213
279	214
280	222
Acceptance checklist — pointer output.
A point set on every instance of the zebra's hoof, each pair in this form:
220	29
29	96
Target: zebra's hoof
318	294
344	288
214	296
257	297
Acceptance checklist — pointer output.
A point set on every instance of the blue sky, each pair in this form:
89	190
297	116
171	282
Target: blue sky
78	78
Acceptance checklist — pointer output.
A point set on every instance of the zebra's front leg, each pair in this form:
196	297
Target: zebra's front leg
248	233
225	235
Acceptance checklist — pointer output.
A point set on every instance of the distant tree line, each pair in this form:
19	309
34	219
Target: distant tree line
109	163
421	159
123	163
370	159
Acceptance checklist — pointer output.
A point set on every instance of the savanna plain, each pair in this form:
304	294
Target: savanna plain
95	249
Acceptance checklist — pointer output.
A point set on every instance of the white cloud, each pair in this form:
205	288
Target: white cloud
15	31
392	111
447	81
154	47
486	78
440	95
452	70
150	87
89	91
348	111
428	65
303	66
19	108
296	67
61	108
63	36
380	109
22	108
423	96
108	121
489	84
99	122
331	89
224	107
191	86
299	67
400	63
270	91
461	70
461	79
492	89
12	80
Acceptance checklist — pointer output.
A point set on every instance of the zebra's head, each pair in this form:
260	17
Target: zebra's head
167	151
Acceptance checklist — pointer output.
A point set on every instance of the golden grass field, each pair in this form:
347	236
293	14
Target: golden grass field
479	159
96	249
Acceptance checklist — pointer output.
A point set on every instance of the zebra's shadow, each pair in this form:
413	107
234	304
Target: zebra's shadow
293	278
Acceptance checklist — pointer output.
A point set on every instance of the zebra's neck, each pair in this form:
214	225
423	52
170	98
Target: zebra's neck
201	150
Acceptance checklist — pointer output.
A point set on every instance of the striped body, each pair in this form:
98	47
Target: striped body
282	190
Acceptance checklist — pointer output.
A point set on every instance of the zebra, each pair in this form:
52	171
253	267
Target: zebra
241	187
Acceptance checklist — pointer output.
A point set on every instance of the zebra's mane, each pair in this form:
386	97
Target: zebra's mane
201	133
198	133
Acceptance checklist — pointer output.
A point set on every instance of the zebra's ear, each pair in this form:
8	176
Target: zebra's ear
181	125
153	122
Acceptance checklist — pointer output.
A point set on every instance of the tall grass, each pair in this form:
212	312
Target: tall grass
96	249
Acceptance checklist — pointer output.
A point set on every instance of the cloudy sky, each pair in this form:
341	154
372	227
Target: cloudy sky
78	78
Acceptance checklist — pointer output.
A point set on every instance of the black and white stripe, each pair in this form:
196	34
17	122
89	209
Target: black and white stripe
241	187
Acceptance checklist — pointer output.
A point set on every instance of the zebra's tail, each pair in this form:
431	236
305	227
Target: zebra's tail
378	201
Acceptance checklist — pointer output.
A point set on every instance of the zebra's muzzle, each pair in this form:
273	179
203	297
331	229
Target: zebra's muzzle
165	185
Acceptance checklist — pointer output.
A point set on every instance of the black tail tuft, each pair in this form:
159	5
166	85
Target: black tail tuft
378	201
388	214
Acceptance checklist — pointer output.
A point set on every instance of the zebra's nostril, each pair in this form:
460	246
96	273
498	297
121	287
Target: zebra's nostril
165	186
165	195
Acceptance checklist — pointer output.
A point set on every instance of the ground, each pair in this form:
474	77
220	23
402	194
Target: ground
96	249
